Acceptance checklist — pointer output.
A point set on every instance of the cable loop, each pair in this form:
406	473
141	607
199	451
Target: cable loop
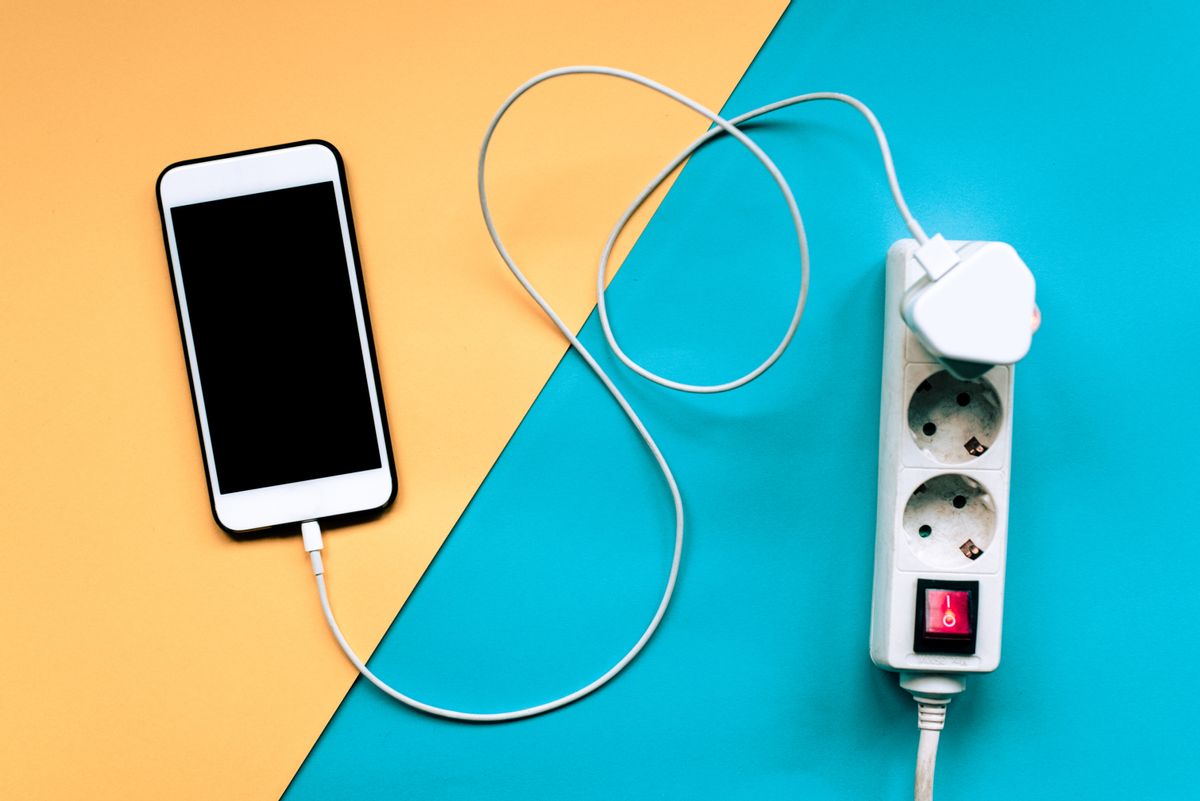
724	126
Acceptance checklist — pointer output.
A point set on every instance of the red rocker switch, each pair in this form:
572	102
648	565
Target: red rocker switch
946	614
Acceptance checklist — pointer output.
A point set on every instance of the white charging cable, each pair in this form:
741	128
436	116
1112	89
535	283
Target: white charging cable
311	530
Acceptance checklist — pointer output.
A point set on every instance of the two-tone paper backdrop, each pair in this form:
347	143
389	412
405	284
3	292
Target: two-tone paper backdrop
146	656
1060	128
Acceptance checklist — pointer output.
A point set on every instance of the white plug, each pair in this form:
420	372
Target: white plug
973	307
943	494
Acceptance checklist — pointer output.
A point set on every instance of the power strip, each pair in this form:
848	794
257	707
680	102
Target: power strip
942	519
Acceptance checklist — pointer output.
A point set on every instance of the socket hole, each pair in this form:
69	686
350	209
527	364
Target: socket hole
954	421
949	521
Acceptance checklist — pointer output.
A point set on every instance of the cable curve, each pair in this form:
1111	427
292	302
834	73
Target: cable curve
602	274
723	126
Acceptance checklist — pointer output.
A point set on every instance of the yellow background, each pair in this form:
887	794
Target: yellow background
145	654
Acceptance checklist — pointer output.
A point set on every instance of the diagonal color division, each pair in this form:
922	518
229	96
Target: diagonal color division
759	685
147	656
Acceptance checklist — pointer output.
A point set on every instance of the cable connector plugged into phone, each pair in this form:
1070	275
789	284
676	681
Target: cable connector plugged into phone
314	543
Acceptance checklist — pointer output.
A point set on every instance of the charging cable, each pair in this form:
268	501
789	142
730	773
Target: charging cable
311	530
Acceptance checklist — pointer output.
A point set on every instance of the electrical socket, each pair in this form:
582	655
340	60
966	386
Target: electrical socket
942	515
947	518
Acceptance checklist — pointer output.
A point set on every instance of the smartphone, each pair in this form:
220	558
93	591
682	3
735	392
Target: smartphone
276	335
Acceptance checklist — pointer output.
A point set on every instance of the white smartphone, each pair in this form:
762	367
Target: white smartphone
276	335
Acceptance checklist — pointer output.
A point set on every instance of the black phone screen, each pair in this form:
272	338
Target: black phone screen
282	373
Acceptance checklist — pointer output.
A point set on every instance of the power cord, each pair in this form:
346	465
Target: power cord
311	530
932	692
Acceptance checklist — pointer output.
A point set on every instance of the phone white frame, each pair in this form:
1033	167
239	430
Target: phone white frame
245	174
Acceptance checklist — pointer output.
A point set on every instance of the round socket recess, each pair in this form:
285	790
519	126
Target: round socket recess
954	421
950	521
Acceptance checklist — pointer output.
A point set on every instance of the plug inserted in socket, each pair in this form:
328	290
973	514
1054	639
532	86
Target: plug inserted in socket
944	456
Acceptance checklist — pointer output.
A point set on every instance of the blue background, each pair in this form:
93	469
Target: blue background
1066	131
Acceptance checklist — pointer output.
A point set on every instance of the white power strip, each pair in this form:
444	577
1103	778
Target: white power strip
942	518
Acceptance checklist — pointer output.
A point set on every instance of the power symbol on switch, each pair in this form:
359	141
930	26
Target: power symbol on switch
946	612
945	615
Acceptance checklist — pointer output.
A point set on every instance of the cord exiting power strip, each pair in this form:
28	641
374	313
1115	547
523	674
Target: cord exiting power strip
313	544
